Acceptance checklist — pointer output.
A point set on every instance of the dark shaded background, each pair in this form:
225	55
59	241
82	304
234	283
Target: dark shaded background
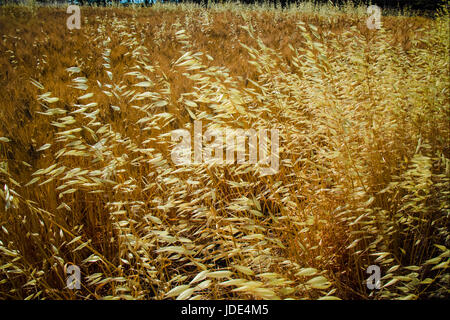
425	6
411	4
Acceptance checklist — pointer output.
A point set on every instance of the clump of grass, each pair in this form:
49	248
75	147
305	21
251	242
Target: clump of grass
87	177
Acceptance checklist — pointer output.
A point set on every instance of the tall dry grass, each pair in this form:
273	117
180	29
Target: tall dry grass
85	124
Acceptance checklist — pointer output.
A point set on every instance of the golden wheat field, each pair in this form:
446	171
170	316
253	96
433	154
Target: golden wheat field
87	177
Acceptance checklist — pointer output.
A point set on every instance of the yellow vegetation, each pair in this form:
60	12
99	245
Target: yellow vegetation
87	179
